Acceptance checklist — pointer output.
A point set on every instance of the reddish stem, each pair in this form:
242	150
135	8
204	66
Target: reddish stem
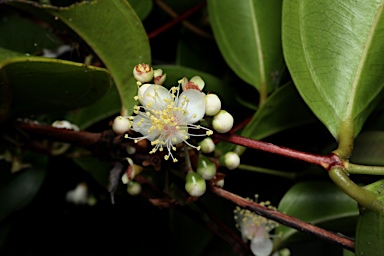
286	219
326	162
175	21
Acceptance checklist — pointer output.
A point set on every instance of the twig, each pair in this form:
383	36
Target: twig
286	220
176	20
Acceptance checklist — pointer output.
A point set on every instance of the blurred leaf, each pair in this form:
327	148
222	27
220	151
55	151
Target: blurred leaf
212	83
249	37
97	168
141	7
319	203
334	53
369	148
18	189
108	106
370	227
25	36
282	110
43	85
115	33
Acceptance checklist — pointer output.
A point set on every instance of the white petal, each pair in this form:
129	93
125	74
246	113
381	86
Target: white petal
261	246
155	94
144	127
195	107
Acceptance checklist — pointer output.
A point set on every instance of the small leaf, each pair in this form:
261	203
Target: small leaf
18	189
142	7
334	52
282	110
43	85
249	38
320	203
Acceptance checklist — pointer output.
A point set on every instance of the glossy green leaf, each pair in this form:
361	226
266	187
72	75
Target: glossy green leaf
25	36
334	52
17	190
115	33
42	85
370	227
320	203
284	109
142	7
97	168
248	33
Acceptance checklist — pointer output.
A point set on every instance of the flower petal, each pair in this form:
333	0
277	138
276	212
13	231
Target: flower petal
261	245
155	96
195	105
142	124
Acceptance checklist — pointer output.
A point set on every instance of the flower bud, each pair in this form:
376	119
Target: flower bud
231	160
206	168
143	73
195	184
198	81
212	104
207	145
222	121
159	78
134	188
220	183
64	124
120	125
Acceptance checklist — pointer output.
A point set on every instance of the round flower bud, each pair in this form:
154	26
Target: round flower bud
195	184
220	183
212	104
134	188
198	81
143	73
222	121
121	125
231	160
206	168
207	145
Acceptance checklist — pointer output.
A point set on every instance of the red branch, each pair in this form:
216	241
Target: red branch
326	162
175	21
286	219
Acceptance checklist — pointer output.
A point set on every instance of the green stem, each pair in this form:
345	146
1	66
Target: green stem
287	175
263	93
361	195
345	139
363	169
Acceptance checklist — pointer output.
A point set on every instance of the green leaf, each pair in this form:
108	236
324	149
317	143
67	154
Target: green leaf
42	85
370	227
334	52
141	7
282	110
115	33
249	38
25	36
316	202
97	168
18	189
369	148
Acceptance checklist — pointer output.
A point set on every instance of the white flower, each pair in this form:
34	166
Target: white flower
167	116
255	228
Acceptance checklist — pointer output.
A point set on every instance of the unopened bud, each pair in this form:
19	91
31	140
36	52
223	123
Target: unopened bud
195	184
143	73
206	168
134	188
220	183
212	104
121	125
207	145
231	160
198	81
222	121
